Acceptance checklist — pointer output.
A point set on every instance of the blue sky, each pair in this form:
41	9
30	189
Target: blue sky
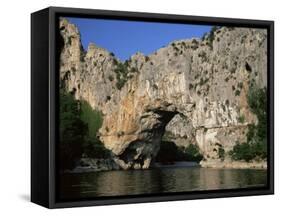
125	38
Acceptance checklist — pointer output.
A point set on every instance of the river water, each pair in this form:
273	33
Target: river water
157	180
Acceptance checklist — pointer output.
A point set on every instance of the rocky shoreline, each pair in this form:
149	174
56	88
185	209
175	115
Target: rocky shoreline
94	165
234	164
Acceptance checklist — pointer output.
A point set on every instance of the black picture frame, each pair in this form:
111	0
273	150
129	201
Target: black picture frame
44	94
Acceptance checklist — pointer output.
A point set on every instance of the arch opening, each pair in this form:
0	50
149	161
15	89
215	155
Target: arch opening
151	148
176	146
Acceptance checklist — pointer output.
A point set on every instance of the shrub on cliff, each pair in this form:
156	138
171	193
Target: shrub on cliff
256	145
210	37
192	153
121	71
242	152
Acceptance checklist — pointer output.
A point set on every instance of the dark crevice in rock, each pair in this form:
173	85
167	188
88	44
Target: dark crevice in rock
128	154
165	116
248	67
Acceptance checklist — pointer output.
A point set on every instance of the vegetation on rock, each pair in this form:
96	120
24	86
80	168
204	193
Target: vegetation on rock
73	130
92	118
121	71
210	36
255	148
79	125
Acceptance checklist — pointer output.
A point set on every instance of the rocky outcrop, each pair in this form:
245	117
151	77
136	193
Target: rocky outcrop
194	91
234	164
93	165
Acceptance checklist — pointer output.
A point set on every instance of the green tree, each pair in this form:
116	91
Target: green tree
192	153
72	130
211	36
93	118
92	146
256	145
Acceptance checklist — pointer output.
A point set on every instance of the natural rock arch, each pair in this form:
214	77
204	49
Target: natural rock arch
133	127
140	153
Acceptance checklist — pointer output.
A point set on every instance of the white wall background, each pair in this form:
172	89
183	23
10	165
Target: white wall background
15	107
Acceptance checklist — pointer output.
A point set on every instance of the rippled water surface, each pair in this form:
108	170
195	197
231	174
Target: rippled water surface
157	180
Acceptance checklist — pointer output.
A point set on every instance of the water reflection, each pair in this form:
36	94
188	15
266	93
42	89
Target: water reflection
133	182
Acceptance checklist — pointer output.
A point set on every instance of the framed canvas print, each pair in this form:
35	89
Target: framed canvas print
138	107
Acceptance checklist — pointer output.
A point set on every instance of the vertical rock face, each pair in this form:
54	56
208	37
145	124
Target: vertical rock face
85	73
194	90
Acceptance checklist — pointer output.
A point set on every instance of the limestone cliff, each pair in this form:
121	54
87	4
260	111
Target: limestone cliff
194	89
